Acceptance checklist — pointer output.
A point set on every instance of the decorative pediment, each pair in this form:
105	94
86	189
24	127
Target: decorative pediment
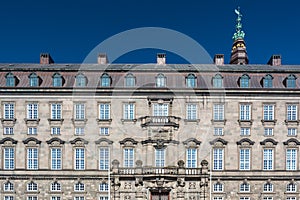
245	141
55	141
128	141
191	142
79	142
8	141
218	142
269	142
104	140
32	141
292	142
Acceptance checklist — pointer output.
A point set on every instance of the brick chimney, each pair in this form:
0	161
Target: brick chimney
219	59
161	58
45	59
275	60
102	59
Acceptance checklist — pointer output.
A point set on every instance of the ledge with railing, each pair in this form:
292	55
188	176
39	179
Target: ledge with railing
160	121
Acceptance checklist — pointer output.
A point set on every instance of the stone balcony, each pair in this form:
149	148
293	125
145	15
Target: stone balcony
161	121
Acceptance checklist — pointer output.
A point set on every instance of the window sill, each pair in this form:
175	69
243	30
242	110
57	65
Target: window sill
245	123
104	121
8	122
291	122
218	122
128	120
32	122
268	122
191	121
56	122
79	122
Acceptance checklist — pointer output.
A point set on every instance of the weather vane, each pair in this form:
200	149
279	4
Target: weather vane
239	33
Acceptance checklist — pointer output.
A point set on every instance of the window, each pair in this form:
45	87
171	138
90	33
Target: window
268	131
218	198
245	81
104	111
81	80
291	159
268	81
55	186
8	187
104	131
244	198
245	131
268	112
79	187
105	80
8	198
33	80
10	80
79	159
56	158
55	130
8	130
103	198
79	130
57	80
32	111
218	113
191	81
191	111
9	111
268	187
218	131
160	80
268	198
32	186
56	111
32	158
218	155
128	112
244	159
128	157
245	112
218	187
291	81
218	81
104	158
129	80
292	131
268	159
159	157
55	198
244	187
291	187
191	158
32	131
32	198
103	187
292	114
291	198
79	113
79	198
160	109
9	158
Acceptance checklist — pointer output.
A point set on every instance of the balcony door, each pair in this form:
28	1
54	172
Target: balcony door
160	109
160	196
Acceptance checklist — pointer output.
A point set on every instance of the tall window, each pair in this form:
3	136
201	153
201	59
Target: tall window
105	80
33	80
245	112
268	81
104	111
218	112
218	81
57	80
218	187
10	80
191	81
56	111
268	187
291	159
292	112
128	157
32	158
32	186
32	111
9	158
81	80
9	111
79	187
79	111
291	81
244	159
56	158
55	186
268	112
218	157
79	159
159	157
244	187
291	187
191	111
160	80
8	187
268	159
245	81
104	158
129	111
191	158
160	109
129	80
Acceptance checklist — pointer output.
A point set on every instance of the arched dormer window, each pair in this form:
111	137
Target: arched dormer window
33	80
130	80
291	81
105	80
160	80
191	81
57	80
245	81
10	80
81	80
217	81
268	81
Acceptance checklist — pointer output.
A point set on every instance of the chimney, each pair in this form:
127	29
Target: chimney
161	58
275	60
219	59
45	59
102	59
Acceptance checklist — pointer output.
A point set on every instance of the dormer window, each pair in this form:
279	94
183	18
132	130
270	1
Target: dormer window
10	80
33	80
129	80
57	80
191	81
217	81
245	81
268	81
160	80
105	80
81	80
291	81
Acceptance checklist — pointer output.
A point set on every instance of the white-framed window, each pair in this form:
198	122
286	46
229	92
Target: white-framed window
104	111
291	159
79	198
218	112
79	187
191	111
244	187
268	159
218	198
32	158
32	130
245	112
218	187
104	158
191	158
292	131
9	111
218	158
105	80
56	110
8	130
55	186
268	187
81	80
55	198
104	131
129	80
32	198
268	198
218	131
9	158
245	155
32	186
79	159
291	187
160	109
128	157
79	111
8	197
128	111
159	157
79	130
33	80
56	158
268	131
103	198
291	198
8	186
55	130
161	80
57	80
244	198
268	112
32	111
103	187
245	131
292	112
191	81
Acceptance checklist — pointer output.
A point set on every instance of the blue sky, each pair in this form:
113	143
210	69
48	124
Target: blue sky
69	30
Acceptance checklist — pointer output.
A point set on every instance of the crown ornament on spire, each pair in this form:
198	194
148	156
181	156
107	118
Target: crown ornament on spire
239	33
